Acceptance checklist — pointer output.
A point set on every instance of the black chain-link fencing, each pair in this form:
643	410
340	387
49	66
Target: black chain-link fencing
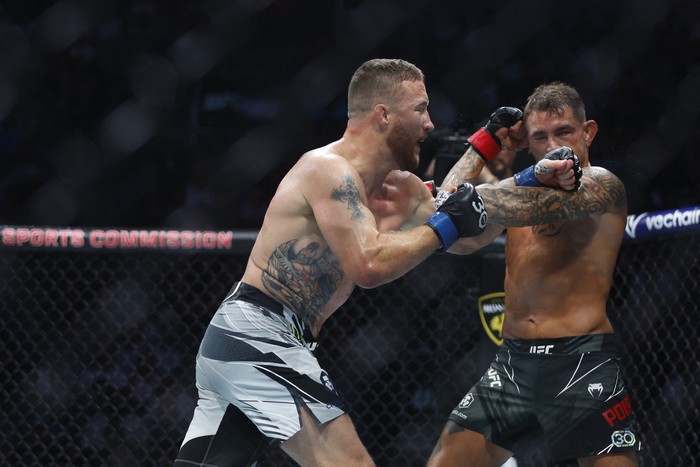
98	352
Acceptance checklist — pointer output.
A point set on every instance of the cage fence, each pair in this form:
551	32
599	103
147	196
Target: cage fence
98	348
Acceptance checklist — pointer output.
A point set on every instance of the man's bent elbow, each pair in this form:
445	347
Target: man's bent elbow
371	277
366	273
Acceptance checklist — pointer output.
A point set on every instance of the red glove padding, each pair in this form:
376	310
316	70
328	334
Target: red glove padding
484	140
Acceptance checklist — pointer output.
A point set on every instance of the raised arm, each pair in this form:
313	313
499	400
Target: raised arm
504	130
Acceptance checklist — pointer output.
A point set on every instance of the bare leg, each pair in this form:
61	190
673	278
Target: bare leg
330	444
461	447
621	459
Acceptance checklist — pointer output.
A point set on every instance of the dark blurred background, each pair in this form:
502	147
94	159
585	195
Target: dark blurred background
186	114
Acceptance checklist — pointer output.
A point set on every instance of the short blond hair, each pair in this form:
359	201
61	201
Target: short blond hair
378	81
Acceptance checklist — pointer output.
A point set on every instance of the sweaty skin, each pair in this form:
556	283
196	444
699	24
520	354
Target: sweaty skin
293	260
577	234
559	268
335	222
332	224
545	296
348	214
294	263
336	217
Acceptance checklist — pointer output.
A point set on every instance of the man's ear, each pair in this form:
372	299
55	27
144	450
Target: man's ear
380	116
382	111
590	129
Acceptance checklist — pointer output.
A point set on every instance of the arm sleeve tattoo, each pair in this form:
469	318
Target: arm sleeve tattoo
524	206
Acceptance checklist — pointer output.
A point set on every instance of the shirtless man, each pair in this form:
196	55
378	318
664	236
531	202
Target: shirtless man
558	369
349	213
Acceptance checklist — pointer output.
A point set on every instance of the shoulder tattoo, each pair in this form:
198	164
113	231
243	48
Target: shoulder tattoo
349	194
604	189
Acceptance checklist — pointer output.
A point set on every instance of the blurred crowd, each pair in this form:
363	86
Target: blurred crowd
186	114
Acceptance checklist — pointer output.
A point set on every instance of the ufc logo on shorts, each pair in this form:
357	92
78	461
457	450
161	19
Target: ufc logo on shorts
494	379
541	348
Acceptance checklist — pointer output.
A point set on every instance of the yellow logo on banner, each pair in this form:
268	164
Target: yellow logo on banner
491	312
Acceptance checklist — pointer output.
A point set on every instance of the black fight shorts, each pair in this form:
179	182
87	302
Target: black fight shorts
571	389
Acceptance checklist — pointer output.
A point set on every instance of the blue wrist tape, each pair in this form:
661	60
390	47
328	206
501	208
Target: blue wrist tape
526	177
444	228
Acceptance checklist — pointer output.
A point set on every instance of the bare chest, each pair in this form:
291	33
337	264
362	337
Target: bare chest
391	212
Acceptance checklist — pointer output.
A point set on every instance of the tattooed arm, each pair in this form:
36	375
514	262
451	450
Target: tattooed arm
466	169
523	206
470	166
368	257
511	206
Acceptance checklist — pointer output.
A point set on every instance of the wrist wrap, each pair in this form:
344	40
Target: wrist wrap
526	177
486	145
444	228
431	186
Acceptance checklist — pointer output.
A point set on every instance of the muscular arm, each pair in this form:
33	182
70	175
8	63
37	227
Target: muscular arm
369	257
600	191
466	170
505	128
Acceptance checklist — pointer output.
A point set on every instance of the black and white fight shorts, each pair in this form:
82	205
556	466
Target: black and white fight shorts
570	389
254	371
